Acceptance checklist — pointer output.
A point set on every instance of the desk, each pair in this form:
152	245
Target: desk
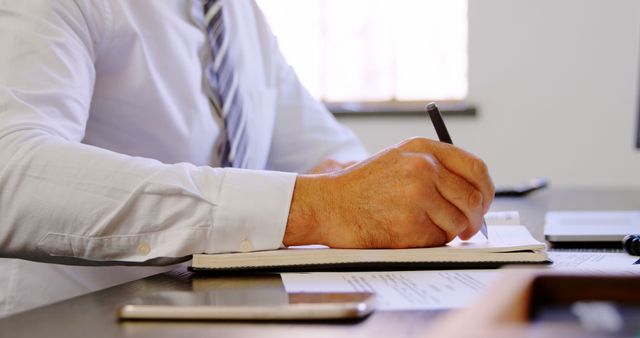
94	315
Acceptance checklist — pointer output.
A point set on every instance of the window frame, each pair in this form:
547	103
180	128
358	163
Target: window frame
399	108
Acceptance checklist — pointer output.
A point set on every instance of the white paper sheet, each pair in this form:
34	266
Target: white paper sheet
502	218
594	261
400	290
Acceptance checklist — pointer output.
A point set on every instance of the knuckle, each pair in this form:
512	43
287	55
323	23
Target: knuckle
419	141
418	165
429	164
480	167
474	199
416	142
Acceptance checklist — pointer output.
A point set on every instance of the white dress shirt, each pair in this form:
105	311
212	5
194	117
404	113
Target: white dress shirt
108	142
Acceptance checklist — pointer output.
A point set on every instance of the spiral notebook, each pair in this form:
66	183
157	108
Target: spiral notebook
508	244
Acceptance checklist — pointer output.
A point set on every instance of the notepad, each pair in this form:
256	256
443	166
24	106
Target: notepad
508	244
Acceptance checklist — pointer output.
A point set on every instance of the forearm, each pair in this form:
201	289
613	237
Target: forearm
63	199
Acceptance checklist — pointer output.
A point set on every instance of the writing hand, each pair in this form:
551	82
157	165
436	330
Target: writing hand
417	193
330	165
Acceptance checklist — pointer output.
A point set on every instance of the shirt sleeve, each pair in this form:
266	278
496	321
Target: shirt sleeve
67	202
305	132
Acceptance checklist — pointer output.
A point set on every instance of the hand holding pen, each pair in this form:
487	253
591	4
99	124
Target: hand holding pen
443	135
417	193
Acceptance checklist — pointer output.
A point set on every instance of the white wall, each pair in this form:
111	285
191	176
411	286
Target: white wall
555	82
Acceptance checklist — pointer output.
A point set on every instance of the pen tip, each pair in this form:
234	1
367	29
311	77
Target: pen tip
432	106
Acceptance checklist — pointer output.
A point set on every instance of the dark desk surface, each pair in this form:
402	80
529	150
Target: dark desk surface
94	315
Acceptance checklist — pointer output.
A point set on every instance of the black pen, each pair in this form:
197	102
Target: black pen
443	135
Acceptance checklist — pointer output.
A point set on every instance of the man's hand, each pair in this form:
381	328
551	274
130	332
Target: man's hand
329	166
415	194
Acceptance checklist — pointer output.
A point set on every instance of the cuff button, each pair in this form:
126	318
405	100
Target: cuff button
143	248
246	246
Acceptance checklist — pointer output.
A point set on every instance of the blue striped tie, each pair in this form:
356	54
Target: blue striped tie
223	91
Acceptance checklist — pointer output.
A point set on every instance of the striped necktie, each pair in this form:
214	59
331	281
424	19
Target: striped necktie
223	87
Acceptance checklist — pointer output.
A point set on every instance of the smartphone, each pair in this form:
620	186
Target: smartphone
212	305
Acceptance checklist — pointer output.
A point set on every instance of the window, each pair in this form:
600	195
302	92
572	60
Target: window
374	50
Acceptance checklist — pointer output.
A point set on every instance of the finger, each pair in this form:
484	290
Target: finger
440	210
463	196
469	232
458	161
469	167
446	216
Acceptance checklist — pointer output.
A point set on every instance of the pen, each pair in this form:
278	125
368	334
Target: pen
443	135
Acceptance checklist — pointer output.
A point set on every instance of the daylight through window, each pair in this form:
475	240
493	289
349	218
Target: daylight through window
374	50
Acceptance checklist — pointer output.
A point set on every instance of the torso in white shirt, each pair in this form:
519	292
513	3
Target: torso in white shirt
138	108
144	69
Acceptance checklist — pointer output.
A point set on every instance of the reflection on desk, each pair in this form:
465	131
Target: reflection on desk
537	303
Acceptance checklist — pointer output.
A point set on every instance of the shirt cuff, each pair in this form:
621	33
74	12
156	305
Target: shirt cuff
252	210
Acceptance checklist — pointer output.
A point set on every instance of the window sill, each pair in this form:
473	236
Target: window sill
397	108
